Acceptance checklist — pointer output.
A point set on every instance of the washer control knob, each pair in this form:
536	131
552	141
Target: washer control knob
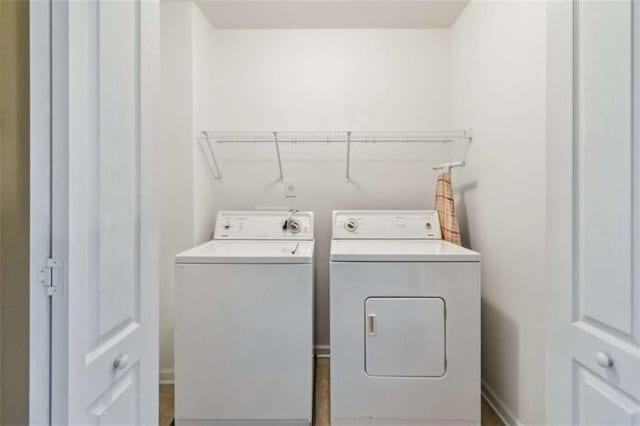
428	225
294	226
351	225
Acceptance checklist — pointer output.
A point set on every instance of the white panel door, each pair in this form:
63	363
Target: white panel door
594	214
405	336
105	347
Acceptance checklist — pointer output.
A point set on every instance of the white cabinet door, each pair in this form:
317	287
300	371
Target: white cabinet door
594	213
405	336
105	344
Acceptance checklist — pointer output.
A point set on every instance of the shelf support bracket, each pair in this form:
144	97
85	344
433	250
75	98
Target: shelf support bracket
217	175
277	143
348	156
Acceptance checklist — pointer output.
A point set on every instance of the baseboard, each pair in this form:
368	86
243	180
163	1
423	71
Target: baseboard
506	416
166	376
322	351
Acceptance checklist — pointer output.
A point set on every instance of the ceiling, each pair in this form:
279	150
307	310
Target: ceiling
320	14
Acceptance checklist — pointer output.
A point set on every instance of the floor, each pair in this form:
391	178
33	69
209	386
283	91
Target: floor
489	417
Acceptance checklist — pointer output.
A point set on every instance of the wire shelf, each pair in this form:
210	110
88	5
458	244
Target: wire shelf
442	136
209	139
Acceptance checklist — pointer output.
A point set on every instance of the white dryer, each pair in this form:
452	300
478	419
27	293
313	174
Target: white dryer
244	323
405	322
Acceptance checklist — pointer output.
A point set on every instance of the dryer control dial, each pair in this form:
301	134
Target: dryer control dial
351	225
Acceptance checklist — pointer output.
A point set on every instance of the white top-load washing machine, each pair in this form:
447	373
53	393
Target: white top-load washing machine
405	322
244	323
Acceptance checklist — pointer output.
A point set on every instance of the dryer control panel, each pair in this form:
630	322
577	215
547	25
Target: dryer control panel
386	224
264	225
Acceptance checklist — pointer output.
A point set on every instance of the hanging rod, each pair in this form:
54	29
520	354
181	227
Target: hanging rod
346	136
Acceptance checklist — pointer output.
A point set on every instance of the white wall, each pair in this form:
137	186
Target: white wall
205	67
498	65
319	80
176	160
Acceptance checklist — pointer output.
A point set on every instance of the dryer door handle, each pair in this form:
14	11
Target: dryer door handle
371	324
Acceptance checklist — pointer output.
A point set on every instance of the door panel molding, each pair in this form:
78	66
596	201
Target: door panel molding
594	392
602	179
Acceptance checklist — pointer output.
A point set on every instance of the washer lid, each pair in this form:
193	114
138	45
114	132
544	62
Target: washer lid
280	252
400	251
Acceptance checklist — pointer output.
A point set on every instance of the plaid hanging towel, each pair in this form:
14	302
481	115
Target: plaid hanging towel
445	205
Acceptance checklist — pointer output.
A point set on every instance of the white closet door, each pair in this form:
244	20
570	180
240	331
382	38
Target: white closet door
594	215
105	318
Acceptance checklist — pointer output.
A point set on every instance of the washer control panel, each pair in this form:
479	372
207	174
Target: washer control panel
386	224
264	225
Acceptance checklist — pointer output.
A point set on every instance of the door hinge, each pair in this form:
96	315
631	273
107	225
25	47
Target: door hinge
50	277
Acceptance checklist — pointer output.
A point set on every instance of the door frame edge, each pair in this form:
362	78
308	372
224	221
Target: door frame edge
39	210
559	152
